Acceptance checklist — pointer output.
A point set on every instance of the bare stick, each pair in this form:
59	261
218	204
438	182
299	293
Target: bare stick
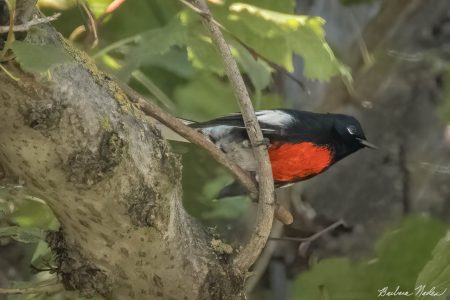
266	208
311	238
31	23
191	135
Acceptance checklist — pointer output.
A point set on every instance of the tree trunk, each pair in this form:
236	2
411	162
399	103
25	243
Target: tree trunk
113	183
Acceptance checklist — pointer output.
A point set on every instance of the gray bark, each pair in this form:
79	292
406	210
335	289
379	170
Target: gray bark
113	183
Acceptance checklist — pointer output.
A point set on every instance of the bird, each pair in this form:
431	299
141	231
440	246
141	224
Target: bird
300	144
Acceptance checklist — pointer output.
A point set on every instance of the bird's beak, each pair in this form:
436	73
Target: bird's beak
367	144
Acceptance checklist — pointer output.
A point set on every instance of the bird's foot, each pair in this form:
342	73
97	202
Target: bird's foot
264	143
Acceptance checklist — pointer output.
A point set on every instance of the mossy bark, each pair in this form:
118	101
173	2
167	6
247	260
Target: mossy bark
113	183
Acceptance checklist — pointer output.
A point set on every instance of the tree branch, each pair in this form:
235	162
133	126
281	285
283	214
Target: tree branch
265	211
191	135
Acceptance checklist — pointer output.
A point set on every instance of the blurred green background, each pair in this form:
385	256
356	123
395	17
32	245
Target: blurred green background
161	49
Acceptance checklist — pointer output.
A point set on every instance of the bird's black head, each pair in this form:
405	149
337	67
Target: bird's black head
348	136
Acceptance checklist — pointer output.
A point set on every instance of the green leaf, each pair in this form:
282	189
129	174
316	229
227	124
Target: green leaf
34	214
257	70
277	35
24	235
436	273
42	256
205	97
269	101
230	208
202	54
98	7
175	61
36	58
153	42
401	254
332	279
135	17
285	6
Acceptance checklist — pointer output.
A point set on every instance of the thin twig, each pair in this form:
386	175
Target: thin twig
31	23
266	208
48	289
79	30
91	25
311	238
191	135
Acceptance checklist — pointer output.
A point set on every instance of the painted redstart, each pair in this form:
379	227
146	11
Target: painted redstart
300	144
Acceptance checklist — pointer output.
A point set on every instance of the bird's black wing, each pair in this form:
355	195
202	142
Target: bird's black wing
276	125
270	121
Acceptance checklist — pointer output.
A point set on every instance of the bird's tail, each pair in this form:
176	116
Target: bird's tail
171	135
231	190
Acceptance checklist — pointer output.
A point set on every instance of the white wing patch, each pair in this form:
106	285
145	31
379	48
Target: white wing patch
274	117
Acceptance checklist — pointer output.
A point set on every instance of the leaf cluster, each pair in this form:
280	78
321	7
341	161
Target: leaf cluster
409	255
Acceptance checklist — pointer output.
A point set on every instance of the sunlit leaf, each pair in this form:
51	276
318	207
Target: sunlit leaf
286	34
284	6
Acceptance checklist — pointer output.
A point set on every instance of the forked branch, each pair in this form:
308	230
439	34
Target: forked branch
191	135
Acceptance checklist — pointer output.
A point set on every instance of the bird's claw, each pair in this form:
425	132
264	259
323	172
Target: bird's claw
264	143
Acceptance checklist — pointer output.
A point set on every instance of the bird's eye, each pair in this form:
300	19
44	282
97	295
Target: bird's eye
352	130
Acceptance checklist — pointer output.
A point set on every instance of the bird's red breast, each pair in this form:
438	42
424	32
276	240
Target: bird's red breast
294	162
